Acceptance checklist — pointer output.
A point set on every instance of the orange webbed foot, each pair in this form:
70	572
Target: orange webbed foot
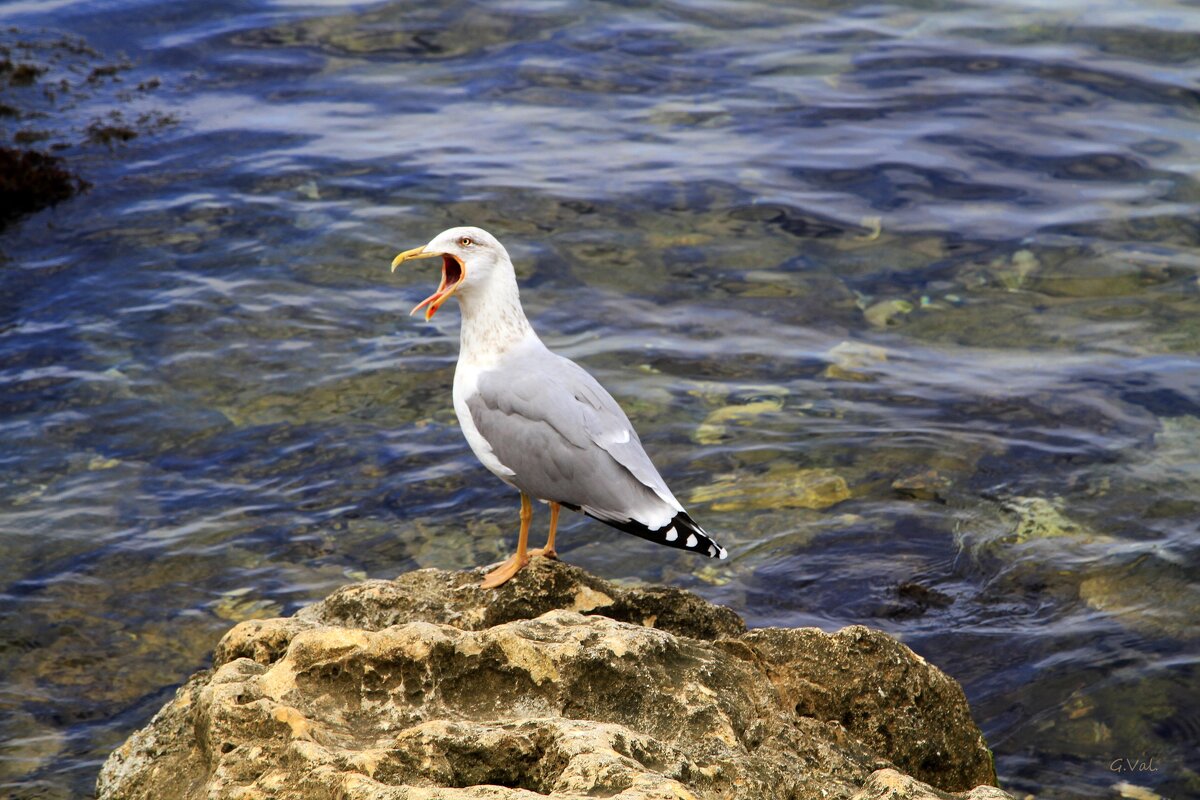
503	573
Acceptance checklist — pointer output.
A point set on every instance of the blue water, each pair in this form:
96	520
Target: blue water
938	258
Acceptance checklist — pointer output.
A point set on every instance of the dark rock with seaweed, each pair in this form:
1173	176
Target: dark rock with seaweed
31	180
41	92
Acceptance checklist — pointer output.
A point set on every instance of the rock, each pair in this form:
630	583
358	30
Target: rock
31	180
1172	467
926	484
853	361
914	600
36	745
1039	518
783	485
557	684
886	312
840	679
1151	595
46	85
1135	792
888	784
235	606
715	427
1012	273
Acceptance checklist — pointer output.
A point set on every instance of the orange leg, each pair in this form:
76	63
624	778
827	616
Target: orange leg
519	559
548	551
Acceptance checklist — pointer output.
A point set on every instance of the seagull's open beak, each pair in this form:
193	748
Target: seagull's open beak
453	274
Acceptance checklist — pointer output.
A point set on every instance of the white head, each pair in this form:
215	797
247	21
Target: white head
471	260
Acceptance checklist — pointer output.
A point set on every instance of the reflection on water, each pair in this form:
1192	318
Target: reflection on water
903	298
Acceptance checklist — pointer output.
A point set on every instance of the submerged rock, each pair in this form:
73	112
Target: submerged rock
853	361
925	484
41	95
1150	595
715	427
1039	518
783	485
887	312
558	684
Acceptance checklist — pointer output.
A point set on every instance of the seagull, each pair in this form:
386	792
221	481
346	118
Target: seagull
538	421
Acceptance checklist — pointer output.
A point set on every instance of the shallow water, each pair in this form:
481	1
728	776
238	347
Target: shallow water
903	299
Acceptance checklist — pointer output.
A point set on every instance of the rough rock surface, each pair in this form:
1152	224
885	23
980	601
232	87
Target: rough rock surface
556	684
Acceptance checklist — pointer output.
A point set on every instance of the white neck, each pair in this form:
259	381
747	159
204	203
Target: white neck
493	321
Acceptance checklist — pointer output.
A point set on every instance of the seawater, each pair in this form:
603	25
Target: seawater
902	298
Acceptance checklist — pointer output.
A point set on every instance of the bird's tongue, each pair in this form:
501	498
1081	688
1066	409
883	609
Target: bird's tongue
452	275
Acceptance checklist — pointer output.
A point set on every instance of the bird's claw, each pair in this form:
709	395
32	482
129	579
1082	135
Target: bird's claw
503	573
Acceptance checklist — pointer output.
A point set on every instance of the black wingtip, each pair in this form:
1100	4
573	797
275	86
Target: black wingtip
682	533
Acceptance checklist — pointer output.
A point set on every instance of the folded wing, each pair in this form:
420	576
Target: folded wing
565	439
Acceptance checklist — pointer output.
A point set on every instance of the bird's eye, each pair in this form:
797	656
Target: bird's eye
466	241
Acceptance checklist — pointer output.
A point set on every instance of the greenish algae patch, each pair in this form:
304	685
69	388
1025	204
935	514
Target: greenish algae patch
1150	595
783	485
238	605
1039	518
715	426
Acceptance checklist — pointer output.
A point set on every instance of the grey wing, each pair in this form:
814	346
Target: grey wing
566	439
610	430
549	422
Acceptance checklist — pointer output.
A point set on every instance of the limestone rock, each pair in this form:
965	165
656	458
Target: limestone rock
888	784
557	684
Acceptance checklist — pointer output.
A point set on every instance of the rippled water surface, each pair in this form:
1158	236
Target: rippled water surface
902	297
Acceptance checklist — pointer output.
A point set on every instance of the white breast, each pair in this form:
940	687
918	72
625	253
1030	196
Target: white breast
466	381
